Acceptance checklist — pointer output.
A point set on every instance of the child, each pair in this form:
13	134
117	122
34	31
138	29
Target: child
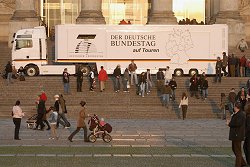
53	120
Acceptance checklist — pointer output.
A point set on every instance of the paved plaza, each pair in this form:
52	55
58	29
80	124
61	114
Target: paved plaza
198	142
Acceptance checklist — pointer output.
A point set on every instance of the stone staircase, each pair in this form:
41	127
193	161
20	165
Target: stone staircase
109	104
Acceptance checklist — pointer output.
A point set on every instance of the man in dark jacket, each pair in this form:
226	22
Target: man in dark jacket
159	81
118	78
66	80
173	86
204	87
231	100
79	80
194	86
237	133
41	110
218	68
8	71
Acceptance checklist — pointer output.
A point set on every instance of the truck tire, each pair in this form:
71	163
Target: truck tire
32	70
178	72
193	71
85	70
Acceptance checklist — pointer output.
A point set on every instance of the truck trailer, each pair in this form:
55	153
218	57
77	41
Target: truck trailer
186	49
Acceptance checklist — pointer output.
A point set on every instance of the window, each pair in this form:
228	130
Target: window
24	43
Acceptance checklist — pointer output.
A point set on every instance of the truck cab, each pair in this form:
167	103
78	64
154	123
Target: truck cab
30	49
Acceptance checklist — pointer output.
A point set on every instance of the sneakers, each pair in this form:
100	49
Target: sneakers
51	138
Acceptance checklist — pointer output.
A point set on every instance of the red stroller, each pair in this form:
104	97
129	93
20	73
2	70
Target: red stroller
99	128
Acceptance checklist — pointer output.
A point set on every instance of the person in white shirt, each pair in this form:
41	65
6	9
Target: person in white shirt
184	105
17	115
168	76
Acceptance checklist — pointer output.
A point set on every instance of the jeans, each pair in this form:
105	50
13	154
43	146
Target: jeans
9	78
231	107
118	83
173	94
142	86
66	87
17	122
204	93
218	76
134	75
65	122
125	85
165	100
148	85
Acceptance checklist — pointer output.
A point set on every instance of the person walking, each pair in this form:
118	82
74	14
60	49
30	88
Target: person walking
80	123
242	98
237	133
79	80
132	69
232	100
246	145
148	81
243	61
126	85
184	105
168	75
66	81
142	80
102	77
173	86
41	110
8	71
118	78
17	115
91	80
224	63
159	81
165	91
222	105
194	86
218	68
62	113
53	116
204	88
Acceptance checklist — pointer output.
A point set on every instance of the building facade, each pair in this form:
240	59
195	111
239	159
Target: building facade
18	14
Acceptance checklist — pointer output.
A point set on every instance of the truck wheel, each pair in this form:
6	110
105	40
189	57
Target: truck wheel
178	72
85	70
193	71
32	70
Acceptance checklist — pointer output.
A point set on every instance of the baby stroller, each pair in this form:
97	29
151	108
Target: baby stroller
31	121
99	127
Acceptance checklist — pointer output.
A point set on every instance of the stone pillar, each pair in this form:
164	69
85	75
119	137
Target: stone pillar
161	12
229	14
91	12
24	17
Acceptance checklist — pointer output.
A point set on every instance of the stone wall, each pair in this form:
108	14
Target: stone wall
6	11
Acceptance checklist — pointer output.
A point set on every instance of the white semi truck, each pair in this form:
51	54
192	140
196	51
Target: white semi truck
186	49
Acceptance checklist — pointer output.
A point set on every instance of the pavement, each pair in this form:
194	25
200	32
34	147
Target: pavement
136	143
129	133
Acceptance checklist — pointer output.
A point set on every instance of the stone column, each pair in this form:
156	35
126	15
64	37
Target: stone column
91	12
161	12
229	14
24	17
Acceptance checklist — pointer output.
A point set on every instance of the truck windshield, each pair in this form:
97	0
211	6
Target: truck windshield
24	43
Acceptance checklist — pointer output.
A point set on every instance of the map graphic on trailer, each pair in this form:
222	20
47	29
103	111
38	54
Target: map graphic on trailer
85	45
